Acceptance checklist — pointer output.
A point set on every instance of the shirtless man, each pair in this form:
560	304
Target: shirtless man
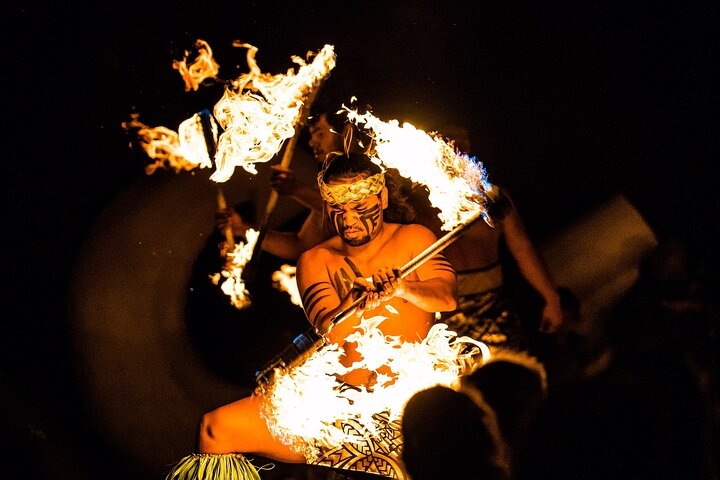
354	274
365	256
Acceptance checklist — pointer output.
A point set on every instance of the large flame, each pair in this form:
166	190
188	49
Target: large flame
259	111
256	114
457	182
292	410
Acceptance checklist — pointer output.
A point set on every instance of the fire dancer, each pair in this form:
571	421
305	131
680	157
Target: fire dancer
366	247
355	272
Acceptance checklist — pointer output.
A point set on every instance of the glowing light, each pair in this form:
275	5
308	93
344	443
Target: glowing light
457	182
258	111
233	284
256	114
203	67
285	281
292	410
180	151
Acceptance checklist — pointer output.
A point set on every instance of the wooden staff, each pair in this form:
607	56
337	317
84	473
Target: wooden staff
227	231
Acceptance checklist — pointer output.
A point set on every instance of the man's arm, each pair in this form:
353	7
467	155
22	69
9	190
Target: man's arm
435	289
320	299
287	245
290	245
533	269
284	182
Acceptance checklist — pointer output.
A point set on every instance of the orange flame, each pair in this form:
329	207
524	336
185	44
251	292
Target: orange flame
456	181
258	111
256	114
234	285
292	413
285	281
202	68
180	151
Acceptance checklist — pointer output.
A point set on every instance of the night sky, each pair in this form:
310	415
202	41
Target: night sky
567	104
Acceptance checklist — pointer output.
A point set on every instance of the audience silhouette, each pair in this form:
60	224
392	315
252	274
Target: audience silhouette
514	385
646	403
447	434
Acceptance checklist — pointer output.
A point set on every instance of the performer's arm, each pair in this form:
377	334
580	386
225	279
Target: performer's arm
321	301
434	288
283	181
289	245
533	269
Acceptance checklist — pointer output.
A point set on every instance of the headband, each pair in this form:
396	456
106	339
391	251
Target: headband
351	192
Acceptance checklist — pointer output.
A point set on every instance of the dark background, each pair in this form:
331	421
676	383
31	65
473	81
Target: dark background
567	103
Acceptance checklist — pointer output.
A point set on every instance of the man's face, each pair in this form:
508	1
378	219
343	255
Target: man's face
323	139
357	222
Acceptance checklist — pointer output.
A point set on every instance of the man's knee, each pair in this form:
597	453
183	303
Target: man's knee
206	438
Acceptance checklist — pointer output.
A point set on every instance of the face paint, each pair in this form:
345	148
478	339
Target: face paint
357	222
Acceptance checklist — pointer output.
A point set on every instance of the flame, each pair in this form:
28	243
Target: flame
234	285
457	182
292	411
285	281
180	151
256	114
202	68
258	111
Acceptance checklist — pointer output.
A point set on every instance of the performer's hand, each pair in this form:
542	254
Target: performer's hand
282	180
381	287
388	283
551	318
363	288
229	218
